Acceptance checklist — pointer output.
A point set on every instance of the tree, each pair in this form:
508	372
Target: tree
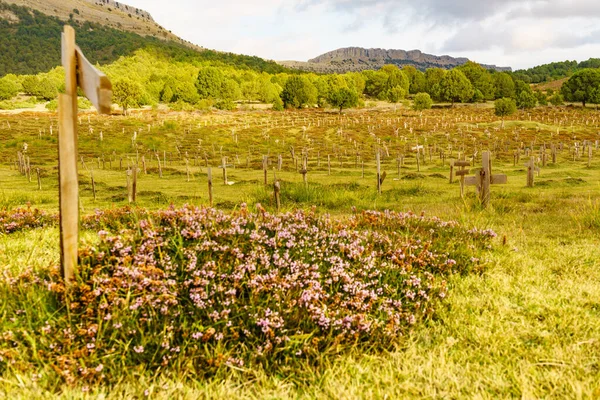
47	90
541	98
582	86
31	85
433	77
416	78
209	83
480	78
375	84
127	93
9	87
504	84
298	92
396	94
504	107
422	102
524	95
557	99
395	78
343	98
455	86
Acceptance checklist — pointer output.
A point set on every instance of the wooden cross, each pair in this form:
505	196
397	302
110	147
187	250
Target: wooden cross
485	179
531	169
462	172
79	72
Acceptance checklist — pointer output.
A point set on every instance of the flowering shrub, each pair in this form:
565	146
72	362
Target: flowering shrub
113	219
24	218
200	289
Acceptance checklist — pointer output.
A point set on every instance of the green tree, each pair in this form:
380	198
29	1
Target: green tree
343	98
582	86
524	95
210	83
127	93
417	80
396	94
433	77
557	99
395	78
47	90
455	86
541	98
504	84
298	92
422	101
31	85
504	107
480	78
9	87
376	84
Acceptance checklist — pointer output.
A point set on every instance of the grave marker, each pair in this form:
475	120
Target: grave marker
79	72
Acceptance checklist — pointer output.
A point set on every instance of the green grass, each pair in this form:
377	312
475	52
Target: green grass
527	327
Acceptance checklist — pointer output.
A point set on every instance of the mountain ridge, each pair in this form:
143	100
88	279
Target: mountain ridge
354	59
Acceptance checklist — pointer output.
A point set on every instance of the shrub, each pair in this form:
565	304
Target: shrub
199	289
422	101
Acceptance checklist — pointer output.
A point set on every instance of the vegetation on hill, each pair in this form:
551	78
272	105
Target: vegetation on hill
147	71
555	70
32	45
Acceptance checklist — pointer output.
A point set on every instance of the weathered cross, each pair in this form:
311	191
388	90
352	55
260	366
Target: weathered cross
531	169
485	179
462	172
79	72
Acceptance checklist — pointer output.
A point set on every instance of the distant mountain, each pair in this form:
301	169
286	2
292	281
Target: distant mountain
359	59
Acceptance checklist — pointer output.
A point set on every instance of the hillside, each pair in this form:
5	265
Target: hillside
359	59
30	39
555	70
104	12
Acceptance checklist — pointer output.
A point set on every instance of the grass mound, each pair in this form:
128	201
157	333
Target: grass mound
195	290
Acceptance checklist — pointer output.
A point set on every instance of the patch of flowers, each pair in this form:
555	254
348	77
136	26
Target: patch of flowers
24	218
198	289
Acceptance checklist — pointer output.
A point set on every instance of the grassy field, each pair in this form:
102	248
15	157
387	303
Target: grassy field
527	326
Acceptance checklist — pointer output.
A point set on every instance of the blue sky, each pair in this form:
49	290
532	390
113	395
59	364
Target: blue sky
516	33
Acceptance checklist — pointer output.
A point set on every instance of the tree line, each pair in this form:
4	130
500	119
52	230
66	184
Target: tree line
150	77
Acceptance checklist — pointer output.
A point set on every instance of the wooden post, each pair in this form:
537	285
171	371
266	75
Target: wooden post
134	183
265	169
159	166
93	184
378	161
485	176
129	197
98	89
451	171
224	165
277	190
67	159
304	169
210	186
530	172
39	179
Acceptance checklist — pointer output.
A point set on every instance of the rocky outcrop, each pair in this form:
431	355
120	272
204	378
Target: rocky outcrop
123	7
359	59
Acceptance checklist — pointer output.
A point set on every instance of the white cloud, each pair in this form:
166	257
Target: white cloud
519	33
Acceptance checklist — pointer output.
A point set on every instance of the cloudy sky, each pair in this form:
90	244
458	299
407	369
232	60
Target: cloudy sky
516	33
